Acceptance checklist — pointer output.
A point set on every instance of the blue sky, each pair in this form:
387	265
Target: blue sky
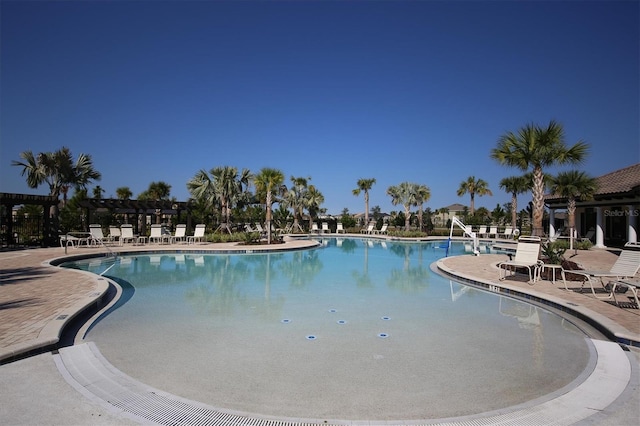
398	91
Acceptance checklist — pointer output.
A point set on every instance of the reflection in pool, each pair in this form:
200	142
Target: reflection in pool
356	329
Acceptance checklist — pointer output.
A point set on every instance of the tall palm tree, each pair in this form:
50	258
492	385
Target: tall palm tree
474	186
405	194
515	185
364	185
294	198
423	193
269	184
223	187
58	171
313	200
535	148
573	185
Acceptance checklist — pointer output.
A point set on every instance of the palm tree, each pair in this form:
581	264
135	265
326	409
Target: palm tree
312	201
97	192
294	198
223	187
124	193
157	191
364	185
573	185
515	185
423	193
57	170
405	194
269	183
535	148
474	186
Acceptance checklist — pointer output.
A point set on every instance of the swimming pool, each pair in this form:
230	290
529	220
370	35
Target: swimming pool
357	329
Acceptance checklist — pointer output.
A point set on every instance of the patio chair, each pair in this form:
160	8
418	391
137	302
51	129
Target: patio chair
126	234
482	232
382	230
314	228
180	234
588	236
493	232
369	229
508	231
527	256
626	266
157	235
325	228
198	234
114	234
340	229
97	237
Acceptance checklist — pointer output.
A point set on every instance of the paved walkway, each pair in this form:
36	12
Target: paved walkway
37	300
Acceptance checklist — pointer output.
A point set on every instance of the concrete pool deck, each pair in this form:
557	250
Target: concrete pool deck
36	300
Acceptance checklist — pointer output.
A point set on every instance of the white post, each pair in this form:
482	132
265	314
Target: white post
552	226
632	215
599	228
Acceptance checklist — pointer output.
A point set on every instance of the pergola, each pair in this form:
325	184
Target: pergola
136	207
91	205
10	200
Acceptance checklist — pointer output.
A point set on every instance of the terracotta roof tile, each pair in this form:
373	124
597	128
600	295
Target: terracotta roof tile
623	180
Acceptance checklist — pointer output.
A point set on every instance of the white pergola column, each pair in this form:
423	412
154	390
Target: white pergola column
632	216
599	228
552	218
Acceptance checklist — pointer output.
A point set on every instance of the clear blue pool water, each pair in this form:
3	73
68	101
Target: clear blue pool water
356	329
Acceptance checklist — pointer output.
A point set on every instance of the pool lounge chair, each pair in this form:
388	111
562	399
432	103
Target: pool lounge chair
180	234
114	234
97	237
626	266
126	235
369	229
527	256
493	232
314	228
508	231
157	235
340	229
325	228
382	230
198	234
482	232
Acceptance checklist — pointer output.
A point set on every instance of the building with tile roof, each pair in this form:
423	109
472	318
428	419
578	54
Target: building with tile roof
613	213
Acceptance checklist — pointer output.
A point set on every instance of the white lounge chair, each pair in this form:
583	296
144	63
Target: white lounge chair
508	231
114	234
626	266
198	234
482	232
97	237
126	234
369	229
325	228
157	235
382	230
340	229
314	228
527	256
493	232
180	234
